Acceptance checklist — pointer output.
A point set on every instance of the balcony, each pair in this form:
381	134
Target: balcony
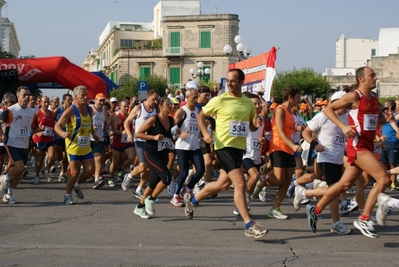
173	51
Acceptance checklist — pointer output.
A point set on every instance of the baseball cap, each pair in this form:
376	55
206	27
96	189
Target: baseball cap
192	84
319	103
303	106
273	105
100	96
174	100
337	95
113	99
204	89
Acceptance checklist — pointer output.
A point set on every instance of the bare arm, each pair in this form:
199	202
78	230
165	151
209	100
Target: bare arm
132	116
141	133
203	127
65	118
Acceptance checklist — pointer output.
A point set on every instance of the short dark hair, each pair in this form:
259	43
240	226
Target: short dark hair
289	91
360	73
22	88
241	74
64	96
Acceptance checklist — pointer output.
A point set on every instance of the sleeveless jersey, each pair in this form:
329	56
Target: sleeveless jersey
120	140
276	144
48	123
189	124
144	115
365	118
98	122
20	123
80	145
253	150
161	146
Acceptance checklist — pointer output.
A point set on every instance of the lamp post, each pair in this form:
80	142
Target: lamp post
242	51
202	73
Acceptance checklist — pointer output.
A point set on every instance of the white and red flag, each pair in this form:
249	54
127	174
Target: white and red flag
270	73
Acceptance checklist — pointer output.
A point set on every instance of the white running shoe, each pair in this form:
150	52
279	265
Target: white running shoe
7	198
340	228
298	197
383	209
149	206
172	188
176	201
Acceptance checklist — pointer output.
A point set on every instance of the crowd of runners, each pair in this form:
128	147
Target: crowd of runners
199	141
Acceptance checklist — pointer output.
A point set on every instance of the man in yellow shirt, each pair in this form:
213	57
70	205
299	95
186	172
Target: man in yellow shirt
235	116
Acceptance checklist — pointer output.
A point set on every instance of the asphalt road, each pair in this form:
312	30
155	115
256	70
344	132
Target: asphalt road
102	230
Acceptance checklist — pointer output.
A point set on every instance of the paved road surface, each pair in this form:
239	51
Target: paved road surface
102	230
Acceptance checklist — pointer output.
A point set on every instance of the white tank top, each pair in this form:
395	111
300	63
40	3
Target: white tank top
144	115
189	124
20	127
99	122
253	150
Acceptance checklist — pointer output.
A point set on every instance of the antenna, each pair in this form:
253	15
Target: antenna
115	5
216	10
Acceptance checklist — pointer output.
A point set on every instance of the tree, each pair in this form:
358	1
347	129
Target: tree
129	88
307	80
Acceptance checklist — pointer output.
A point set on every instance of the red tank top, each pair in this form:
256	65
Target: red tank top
48	123
120	140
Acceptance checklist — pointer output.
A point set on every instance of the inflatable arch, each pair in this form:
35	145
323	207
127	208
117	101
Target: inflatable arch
54	69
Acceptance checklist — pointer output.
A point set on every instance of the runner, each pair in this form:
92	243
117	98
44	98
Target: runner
364	116
78	121
18	119
9	99
235	116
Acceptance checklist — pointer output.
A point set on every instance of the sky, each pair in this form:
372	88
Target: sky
304	30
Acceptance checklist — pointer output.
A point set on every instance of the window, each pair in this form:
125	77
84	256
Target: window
126	43
174	39
205	39
144	72
174	75
373	52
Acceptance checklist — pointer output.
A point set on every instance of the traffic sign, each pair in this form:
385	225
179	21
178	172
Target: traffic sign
142	88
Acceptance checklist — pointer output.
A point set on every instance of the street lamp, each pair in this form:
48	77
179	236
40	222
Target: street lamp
202	73
242	51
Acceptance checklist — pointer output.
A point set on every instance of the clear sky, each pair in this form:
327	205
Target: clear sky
305	30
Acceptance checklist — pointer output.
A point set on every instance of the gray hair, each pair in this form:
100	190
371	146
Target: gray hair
53	98
7	97
79	88
189	91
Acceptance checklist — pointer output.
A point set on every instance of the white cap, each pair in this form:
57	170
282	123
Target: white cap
337	95
113	99
192	84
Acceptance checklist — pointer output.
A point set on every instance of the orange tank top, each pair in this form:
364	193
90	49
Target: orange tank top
276	143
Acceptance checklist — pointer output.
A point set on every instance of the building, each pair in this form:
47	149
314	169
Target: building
2	3
9	37
134	49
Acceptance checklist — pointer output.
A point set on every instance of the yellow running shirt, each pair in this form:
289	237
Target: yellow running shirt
232	115
80	145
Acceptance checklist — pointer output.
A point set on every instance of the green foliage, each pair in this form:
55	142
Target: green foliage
130	86
307	80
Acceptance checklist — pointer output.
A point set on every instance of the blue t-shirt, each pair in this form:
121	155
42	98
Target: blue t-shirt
389	132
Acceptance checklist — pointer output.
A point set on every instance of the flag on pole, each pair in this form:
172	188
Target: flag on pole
270	73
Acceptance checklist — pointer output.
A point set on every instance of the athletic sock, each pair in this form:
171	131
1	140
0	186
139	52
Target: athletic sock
10	190
152	198
317	210
140	206
138	189
193	200
247	225
364	217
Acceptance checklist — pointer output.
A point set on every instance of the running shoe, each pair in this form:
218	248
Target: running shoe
98	183
312	217
383	209
36	180
126	182
236	212
176	201
255	194
262	195
366	227
68	200
25	173
7	198
340	228
291	188
298	197
196	189
4	184
392	187
47	175
53	169
277	214
137	194
255	230
189	209
62	178
343	209
149	206
111	182
352	205
172	188
141	212
78	192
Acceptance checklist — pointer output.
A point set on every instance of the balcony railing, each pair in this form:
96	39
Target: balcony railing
173	51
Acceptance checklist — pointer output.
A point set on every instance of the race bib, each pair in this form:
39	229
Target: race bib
370	122
193	129
99	126
48	131
124	138
238	128
339	140
377	148
255	144
23	131
83	141
165	143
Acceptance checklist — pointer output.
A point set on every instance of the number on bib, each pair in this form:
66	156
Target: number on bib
370	122
23	131
238	128
124	138
48	131
83	141
165	143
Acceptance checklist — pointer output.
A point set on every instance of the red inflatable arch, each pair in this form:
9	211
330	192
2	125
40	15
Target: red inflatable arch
54	69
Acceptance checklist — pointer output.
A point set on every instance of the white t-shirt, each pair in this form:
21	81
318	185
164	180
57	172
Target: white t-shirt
330	136
296	136
20	127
